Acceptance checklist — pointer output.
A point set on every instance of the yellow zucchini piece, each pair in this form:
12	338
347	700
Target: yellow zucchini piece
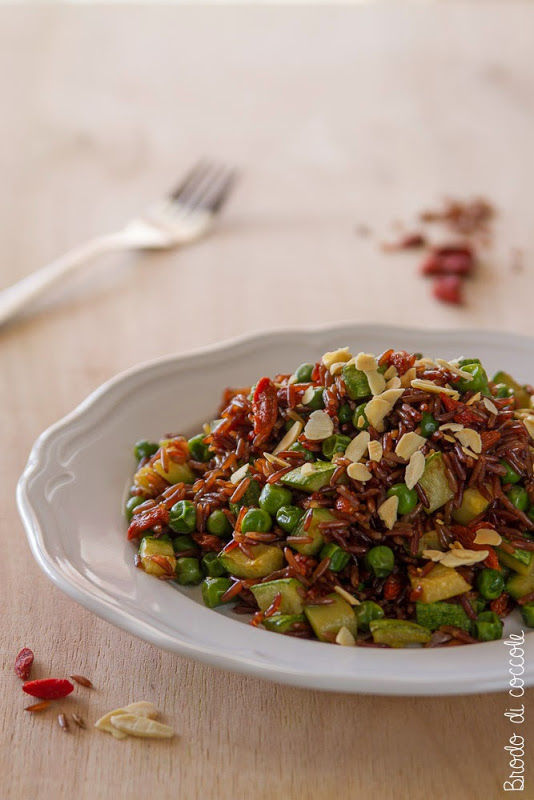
266	559
157	547
326	620
440	583
473	503
435	483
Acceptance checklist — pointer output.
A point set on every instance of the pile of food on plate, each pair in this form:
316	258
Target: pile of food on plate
381	501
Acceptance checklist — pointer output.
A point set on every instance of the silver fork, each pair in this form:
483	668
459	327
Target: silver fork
186	215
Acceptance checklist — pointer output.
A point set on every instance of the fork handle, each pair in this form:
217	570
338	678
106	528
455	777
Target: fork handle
17	297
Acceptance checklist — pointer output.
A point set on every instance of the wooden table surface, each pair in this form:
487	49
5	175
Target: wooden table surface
336	117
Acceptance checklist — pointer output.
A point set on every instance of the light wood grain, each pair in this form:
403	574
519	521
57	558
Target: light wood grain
336	116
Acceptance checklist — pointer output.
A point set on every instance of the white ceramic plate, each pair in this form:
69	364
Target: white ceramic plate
71	495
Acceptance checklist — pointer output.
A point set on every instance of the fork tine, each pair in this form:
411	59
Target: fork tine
190	182
218	196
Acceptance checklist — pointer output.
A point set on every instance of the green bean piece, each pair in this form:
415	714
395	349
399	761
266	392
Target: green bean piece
510	476
359	414
487	627
337	443
218	523
366	612
183	517
408	498
144	449
303	374
380	560
490	583
256	519
288	517
479	381
198	449
273	497
339	558
518	497
428	424
213	589
527	612
188	572
344	414
212	566
132	503
184	544
502	390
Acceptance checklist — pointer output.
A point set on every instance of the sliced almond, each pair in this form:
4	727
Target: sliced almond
474	399
448	438
308	395
391	372
290	438
490	406
375	450
376	410
366	362
487	536
433	388
142	708
451	426
393	383
529	425
408	377
408	444
361	422
352	601
433	555
454	368
143	727
345	638
358	446
239	474
318	427
463	557
272	459
470	453
337	368
307	469
391	396
343	354
425	361
471	439
359	472
388	512
376	381
415	469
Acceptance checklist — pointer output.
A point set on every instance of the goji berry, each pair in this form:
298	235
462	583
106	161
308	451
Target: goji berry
502	605
48	688
448	289
402	360
449	260
158	515
265	409
489	439
23	663
392	587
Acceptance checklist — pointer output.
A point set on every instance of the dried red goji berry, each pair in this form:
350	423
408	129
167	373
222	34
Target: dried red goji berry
492	561
48	688
158	515
449	403
502	605
402	360
465	416
448	289
265	409
392	587
449	260
23	663
489	439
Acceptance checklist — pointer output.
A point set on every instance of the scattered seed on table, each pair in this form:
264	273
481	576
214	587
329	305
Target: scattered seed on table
62	722
83	681
78	720
38	706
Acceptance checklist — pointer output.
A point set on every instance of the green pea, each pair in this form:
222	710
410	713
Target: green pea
188	572
463	362
273	497
144	449
183	544
487	627
218	523
298	448
510	476
490	583
288	517
256	519
344	414
518	497
502	390
527	612
317	401
183	517
428	424
338	558
198	449
359	413
366	612
132	503
380	560
408	498
212	566
479	381
303	374
213	589
337	443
